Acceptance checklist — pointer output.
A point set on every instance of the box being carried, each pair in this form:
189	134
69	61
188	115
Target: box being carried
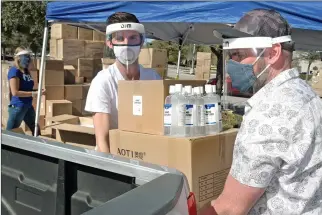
141	104
205	161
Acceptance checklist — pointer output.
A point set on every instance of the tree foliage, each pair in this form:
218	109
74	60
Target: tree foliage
22	24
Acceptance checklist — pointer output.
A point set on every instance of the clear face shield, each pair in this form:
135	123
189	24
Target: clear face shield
124	42
245	72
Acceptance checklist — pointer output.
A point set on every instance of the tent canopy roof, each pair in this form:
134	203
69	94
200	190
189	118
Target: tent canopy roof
170	21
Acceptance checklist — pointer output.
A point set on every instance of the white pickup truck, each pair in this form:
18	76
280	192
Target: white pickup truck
42	177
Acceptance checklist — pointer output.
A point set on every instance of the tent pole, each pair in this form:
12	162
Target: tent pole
193	59
224	82
178	65
41	74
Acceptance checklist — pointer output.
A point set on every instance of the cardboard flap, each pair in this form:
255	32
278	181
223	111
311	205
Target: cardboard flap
74	128
66	118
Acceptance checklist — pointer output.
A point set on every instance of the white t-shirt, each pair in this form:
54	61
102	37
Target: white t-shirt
102	96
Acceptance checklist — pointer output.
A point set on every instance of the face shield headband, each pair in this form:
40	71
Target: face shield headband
119	27
242	75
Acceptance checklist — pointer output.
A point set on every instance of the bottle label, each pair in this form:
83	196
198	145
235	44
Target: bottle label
189	115
201	115
181	114
167	115
210	114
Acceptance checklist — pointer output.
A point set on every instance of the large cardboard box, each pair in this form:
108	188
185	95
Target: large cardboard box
153	58
94	49
85	67
51	65
63	31
69	74
58	107
85	34
79	108
76	91
205	161
140	105
77	130
70	49
54	77
99	36
55	92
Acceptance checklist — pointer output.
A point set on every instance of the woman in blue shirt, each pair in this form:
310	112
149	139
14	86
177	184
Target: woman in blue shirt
21	89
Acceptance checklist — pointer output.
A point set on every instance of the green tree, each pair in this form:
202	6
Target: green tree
22	24
310	57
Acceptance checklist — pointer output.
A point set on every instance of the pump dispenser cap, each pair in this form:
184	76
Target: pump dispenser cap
188	89
208	88
178	88
172	89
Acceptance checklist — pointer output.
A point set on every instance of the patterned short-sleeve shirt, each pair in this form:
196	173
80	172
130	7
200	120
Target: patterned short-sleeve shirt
279	147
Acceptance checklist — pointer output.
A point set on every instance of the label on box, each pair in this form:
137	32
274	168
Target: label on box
167	115
210	114
201	115
188	115
137	105
181	114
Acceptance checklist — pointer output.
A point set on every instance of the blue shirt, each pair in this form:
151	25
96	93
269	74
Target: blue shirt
26	83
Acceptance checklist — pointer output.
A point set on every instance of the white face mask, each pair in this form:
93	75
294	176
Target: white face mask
127	54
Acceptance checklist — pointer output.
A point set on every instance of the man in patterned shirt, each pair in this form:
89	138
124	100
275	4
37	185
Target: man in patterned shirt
277	160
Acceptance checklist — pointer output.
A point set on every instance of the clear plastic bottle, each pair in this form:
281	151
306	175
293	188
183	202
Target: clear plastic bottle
189	111
211	115
214	90
178	119
199	113
168	111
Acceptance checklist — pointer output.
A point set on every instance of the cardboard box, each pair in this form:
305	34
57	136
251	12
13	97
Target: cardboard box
79	80
58	107
63	31
202	76
75	92
79	108
85	34
140	104
69	74
205	161
85	67
54	77
51	65
53	48
94	49
42	105
55	92
153	58
78	130
98	36
70	49
162	72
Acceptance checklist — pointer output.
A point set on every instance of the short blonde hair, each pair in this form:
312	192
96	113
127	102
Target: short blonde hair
17	59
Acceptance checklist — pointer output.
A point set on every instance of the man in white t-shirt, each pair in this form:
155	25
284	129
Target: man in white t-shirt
125	36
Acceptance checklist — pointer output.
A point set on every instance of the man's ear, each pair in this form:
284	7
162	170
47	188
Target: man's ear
274	54
109	44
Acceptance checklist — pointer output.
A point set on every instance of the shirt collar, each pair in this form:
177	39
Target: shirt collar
273	84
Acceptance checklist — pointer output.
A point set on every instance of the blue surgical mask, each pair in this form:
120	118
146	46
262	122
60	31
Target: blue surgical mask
24	61
242	76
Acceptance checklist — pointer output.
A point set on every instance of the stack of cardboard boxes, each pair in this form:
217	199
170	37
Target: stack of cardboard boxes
156	59
80	49
204	160
203	66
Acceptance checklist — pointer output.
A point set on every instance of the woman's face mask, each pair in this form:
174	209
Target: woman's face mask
24	61
242	75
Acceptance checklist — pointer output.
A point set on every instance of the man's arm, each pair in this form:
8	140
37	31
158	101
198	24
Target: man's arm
102	127
236	198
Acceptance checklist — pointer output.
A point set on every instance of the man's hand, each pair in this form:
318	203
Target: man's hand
207	210
102	127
